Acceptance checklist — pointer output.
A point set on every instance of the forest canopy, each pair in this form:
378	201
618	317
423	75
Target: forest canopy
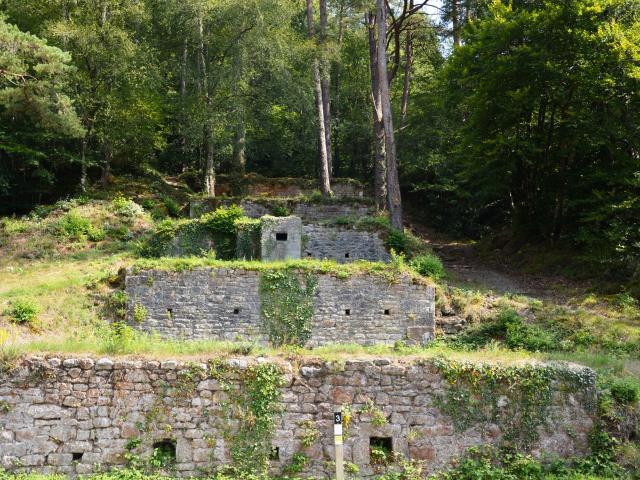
518	116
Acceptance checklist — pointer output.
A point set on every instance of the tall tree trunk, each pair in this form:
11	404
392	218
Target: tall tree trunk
107	156
336	117
183	98
83	163
325	79
209	173
455	22
407	78
380	182
238	161
209	167
325	184
394	201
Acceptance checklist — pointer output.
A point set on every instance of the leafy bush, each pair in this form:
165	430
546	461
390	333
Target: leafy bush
428	265
12	226
23	311
280	211
222	220
625	391
96	234
173	207
74	226
397	240
125	207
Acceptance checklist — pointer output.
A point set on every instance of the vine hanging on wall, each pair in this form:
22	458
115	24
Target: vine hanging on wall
287	302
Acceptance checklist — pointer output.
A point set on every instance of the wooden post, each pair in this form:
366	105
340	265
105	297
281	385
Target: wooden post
337	440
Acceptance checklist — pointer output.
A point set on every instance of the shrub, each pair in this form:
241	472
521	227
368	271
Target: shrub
428	265
13	226
280	211
74	226
96	234
125	207
23	311
222	220
396	240
625	391
173	207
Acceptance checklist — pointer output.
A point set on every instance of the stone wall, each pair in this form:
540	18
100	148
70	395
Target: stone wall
343	244
225	304
308	212
254	185
78	415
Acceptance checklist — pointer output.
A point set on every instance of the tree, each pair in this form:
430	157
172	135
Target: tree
36	112
325	185
394	200
549	94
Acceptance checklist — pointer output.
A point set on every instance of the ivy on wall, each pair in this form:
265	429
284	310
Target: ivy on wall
255	403
248	238
287	302
515	398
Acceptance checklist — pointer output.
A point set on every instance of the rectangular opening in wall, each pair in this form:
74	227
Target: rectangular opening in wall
381	449
170	313
346	255
281	236
387	311
274	454
347	311
164	452
76	456
236	311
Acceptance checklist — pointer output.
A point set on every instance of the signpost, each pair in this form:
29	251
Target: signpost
337	440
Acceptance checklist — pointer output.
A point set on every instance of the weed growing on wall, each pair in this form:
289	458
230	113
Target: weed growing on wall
286	306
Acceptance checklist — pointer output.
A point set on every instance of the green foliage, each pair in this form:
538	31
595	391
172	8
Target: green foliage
255	404
248	238
125	207
428	265
140	313
286	306
625	391
118	337
173	207
487	464
396	240
23	311
222	220
516	398
280	211
74	226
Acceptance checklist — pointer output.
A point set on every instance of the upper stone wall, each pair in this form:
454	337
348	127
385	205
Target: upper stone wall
256	185
225	304
79	415
343	244
309	212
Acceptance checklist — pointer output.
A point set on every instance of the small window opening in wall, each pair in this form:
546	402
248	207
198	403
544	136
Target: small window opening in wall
281	236
381	449
170	313
346	255
387	311
347	311
275	453
164	453
76	456
236	311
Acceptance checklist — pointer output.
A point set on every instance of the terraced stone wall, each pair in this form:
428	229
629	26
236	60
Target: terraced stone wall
79	415
225	304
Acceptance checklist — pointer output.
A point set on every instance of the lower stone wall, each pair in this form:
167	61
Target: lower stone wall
225	304
308	212
343	244
79	415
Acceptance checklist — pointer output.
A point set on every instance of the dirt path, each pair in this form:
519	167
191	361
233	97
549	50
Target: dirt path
465	267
